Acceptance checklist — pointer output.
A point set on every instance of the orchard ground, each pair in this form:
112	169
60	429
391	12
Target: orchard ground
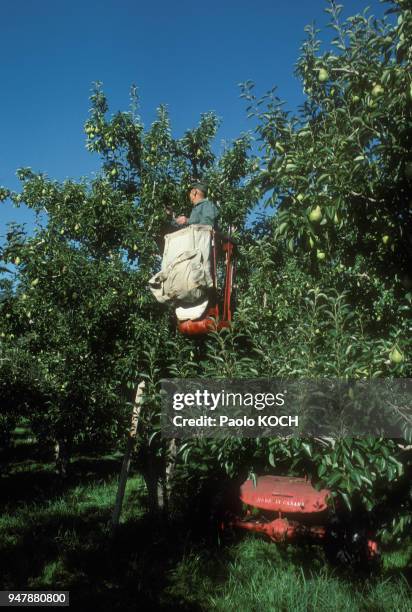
55	534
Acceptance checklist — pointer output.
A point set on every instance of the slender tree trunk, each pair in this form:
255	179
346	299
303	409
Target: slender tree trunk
137	406
170	468
62	457
151	476
158	476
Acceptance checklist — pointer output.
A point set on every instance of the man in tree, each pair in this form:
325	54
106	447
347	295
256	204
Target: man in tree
187	254
204	211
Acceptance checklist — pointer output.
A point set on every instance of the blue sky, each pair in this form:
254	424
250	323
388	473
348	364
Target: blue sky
189	55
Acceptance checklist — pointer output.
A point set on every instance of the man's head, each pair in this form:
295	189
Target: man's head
198	192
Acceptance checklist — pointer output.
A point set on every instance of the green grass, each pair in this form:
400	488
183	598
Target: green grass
399	559
261	577
56	535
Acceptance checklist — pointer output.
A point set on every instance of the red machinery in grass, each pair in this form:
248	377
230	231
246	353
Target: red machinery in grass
220	309
287	508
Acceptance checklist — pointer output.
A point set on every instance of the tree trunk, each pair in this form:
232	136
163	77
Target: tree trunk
151	475
124	472
170	468
62	457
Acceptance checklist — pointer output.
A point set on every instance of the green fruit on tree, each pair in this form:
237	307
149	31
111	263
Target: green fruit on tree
385	239
34	282
300	197
323	75
113	171
320	255
17	261
377	90
355	98
315	214
395	355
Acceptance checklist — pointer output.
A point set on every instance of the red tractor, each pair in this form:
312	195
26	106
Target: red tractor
286	508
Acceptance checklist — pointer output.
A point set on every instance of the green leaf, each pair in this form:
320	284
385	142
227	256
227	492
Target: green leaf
307	448
280	230
347	501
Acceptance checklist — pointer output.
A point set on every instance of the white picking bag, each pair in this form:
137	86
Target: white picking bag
185	275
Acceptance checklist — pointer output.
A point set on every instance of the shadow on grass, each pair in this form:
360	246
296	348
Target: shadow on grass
75	552
55	534
31	481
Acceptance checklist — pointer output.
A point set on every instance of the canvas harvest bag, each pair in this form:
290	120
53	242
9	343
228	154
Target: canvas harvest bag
185	274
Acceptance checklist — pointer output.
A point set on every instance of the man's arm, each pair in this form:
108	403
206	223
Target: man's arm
180	221
175	221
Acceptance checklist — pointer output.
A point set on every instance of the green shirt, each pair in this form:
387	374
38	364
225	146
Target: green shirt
204	213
